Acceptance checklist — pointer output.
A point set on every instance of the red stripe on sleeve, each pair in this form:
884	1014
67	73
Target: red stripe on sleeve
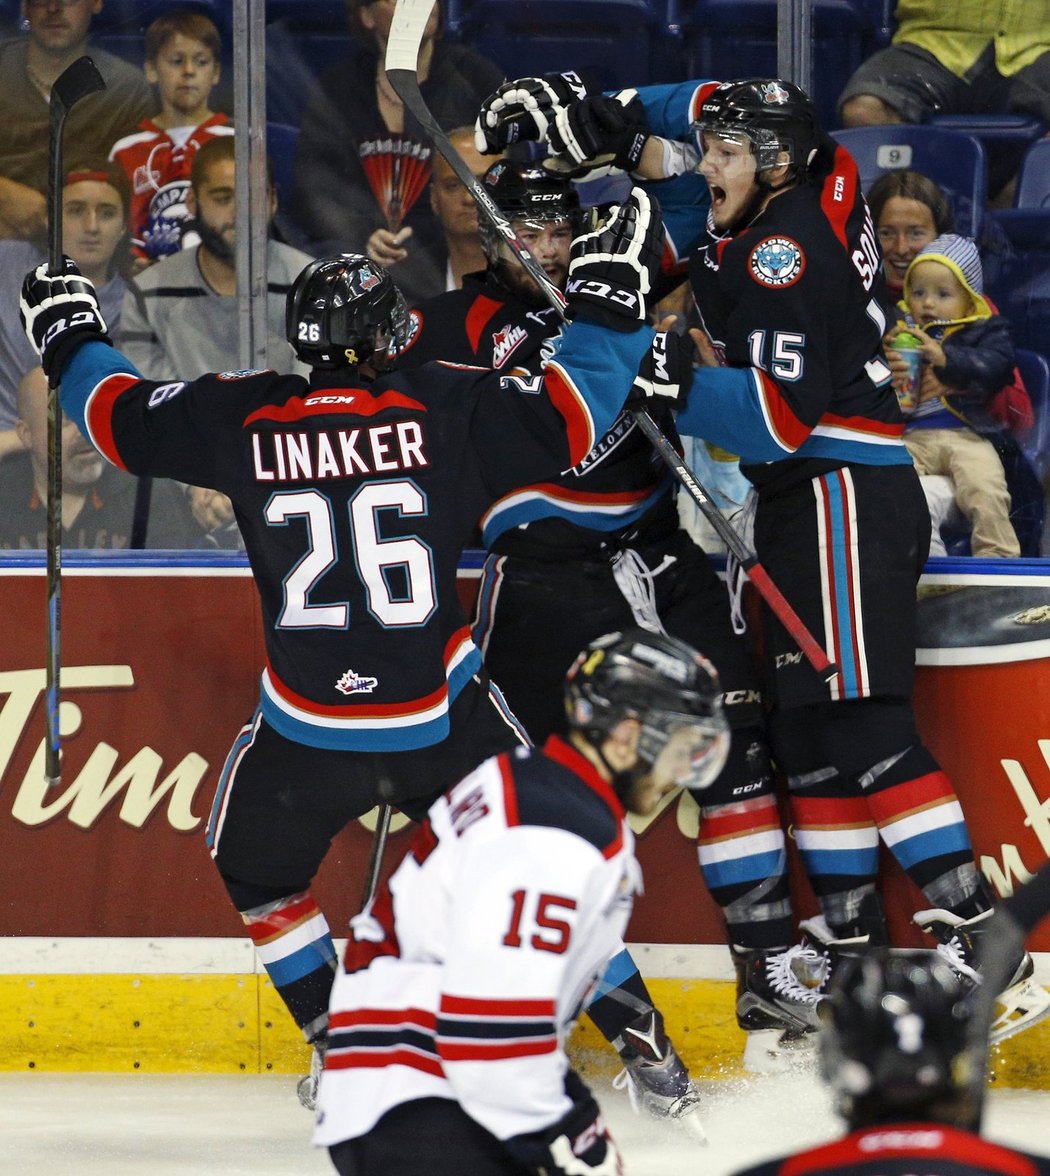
99	415
566	398
478	316
787	428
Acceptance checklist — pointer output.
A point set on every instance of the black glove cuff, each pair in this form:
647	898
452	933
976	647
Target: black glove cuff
615	306
55	358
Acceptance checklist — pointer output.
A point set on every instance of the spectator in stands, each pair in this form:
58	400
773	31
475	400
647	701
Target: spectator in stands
424	271
182	50
58	35
180	316
94	233
908	210
961	58
98	500
967	357
354	102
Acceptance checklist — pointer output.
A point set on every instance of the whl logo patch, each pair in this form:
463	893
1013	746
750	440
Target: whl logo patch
505	341
351	683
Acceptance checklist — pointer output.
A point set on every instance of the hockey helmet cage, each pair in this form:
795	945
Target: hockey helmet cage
664	684
895	1039
344	310
527	192
773	115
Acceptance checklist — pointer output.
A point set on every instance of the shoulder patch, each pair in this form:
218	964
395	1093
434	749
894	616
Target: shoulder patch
415	325
241	374
777	262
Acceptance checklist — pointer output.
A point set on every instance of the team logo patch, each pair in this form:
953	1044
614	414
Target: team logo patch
506	340
773	94
777	262
351	683
415	325
238	375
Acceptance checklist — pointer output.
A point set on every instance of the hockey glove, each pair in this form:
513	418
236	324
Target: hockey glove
577	1145
665	374
524	109
613	267
58	313
599	136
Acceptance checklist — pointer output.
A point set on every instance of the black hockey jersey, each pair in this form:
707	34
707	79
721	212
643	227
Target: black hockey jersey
462	978
355	499
619	486
793	302
902	1149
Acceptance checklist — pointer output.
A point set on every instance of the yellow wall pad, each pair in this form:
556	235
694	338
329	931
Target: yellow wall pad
222	1024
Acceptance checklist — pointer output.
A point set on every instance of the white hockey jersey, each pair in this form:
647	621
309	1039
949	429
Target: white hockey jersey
463	977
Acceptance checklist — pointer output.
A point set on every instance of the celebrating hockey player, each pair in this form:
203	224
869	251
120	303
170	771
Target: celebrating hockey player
591	550
446	1050
355	491
899	1052
786	281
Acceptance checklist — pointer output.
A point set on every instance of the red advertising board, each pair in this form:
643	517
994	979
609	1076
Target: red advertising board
160	669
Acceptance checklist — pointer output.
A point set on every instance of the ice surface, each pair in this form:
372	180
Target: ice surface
115	1125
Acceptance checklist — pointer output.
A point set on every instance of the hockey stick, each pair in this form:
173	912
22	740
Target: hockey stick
375	858
76	81
402	51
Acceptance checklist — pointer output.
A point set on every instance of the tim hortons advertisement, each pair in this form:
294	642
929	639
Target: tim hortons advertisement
160	669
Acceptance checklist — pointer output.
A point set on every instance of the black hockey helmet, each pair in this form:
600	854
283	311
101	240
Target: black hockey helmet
664	684
343	310
526	192
771	114
895	1039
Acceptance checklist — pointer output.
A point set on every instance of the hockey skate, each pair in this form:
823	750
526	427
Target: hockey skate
778	995
867	930
307	1086
1021	1004
657	1081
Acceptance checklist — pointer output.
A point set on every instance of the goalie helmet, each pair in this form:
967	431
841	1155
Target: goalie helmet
344	310
526	192
894	1044
771	114
664	684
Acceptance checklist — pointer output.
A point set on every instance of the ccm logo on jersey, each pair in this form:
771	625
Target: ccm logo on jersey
777	262
164	392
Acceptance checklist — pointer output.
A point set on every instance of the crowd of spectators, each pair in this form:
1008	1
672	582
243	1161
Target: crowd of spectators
179	311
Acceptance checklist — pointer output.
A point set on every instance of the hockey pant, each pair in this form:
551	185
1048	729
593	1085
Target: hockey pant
278	806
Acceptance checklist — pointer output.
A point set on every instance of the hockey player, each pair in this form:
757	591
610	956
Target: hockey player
463	976
898	1054
594	549
787	283
355	491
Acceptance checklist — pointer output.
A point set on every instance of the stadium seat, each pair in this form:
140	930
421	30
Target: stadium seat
1035	371
738	39
120	24
618	42
956	161
303	39
1033	178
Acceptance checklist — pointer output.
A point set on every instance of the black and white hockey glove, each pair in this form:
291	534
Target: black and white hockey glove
665	374
599	136
58	313
525	109
577	1145
613	267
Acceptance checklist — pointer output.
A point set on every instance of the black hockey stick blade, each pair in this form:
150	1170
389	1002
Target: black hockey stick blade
402	51
73	83
76	81
375	858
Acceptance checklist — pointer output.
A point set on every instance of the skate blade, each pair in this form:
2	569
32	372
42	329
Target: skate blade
773	1051
1021	1007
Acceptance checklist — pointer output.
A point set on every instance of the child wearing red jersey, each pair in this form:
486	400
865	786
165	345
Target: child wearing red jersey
182	61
